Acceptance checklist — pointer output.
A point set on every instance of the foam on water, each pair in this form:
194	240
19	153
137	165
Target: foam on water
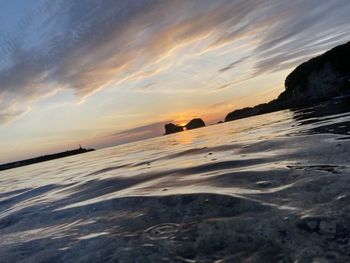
262	189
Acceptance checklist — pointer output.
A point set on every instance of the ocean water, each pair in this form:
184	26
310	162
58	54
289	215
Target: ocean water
270	188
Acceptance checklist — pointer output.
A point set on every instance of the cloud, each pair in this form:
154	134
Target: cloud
224	86
140	133
303	30
147	87
242	79
220	104
233	64
87	45
10	115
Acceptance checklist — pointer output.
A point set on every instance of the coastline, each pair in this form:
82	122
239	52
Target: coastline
43	158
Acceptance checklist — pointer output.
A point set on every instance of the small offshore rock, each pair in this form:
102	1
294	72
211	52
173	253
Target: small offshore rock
195	124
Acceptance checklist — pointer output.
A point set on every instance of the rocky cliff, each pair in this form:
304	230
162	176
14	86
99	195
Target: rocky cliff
318	79
321	77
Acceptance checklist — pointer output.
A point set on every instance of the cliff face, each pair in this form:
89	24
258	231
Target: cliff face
318	79
321	77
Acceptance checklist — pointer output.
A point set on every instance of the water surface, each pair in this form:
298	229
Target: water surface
270	188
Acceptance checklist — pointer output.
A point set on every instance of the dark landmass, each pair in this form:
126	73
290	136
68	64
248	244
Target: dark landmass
193	124
316	80
172	128
43	158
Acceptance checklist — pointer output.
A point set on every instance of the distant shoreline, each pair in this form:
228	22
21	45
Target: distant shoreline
43	158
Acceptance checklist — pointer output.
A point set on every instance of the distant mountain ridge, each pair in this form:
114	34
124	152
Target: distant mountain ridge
318	79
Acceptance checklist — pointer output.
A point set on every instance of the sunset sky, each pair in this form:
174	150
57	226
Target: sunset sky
100	73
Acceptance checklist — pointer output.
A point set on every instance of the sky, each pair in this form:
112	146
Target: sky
100	73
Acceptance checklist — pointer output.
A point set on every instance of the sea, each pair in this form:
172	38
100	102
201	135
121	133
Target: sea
269	188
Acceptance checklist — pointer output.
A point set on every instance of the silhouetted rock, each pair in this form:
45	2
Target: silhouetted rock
321	77
172	128
316	80
194	124
243	113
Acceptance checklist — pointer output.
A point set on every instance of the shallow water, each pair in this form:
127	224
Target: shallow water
270	188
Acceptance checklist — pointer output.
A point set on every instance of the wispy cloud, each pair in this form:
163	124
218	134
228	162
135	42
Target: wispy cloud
242	79
88	45
233	64
224	86
9	115
139	133
220	104
148	86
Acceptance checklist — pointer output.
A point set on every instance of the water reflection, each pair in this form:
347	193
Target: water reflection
194	196
331	117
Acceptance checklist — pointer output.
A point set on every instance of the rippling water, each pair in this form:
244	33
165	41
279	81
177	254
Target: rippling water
271	188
